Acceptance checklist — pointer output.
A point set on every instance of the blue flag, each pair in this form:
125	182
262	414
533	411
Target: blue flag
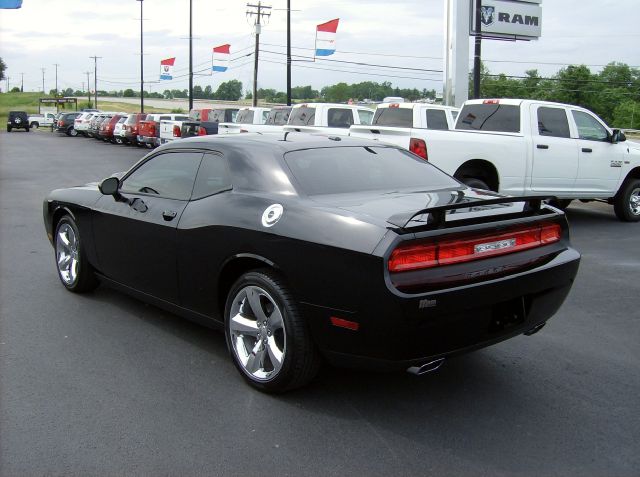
10	3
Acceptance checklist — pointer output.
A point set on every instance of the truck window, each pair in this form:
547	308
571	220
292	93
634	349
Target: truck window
278	117
589	128
398	117
365	116
303	116
244	117
553	122
339	118
489	117
437	119
265	115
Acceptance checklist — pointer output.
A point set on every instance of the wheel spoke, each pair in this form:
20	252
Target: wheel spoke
253	295
275	320
275	354
256	358
64	239
63	260
244	326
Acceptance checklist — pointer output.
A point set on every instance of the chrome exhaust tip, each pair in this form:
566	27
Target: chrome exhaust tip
535	329
426	368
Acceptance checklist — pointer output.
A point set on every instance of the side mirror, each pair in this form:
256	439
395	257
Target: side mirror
617	136
109	186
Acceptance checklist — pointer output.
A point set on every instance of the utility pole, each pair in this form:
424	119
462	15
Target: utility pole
22	83
8	84
88	88
258	12
141	62
56	65
478	49
43	91
288	52
190	55
95	78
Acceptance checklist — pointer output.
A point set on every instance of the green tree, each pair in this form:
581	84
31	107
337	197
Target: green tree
627	115
338	93
3	67
129	93
208	92
15	89
167	94
198	93
229	91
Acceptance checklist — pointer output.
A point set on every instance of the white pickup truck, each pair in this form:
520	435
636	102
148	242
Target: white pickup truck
45	119
528	147
276	120
170	130
327	118
245	117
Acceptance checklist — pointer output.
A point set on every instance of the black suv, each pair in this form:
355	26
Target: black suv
17	120
65	123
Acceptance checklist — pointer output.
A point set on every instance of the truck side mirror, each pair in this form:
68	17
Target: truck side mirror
109	186
617	136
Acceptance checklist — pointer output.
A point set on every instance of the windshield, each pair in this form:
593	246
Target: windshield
339	170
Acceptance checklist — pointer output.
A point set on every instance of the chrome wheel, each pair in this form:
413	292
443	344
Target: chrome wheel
67	254
634	201
257	333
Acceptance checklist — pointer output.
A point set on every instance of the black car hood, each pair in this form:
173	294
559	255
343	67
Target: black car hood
379	206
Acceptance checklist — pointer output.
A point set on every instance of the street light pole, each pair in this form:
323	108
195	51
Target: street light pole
288	52
43	92
95	78
141	62
56	65
190	55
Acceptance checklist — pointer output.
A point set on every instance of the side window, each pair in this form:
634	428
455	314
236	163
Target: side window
212	178
265	115
170	175
164	118
339	118
365	116
436	119
553	122
589	128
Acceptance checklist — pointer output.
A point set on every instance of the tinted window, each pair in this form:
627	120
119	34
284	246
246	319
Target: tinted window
213	176
436	119
339	170
490	117
589	128
339	118
245	116
122	120
553	122
303	116
195	114
278	117
454	114
365	116
398	117
132	119
170	175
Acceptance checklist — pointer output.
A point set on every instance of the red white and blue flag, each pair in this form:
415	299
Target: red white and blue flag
221	58
326	38
166	68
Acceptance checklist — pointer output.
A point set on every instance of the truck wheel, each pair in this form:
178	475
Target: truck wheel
475	183
8	128
627	201
561	204
72	132
34	125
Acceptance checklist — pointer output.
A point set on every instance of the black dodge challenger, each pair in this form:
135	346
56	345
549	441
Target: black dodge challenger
306	248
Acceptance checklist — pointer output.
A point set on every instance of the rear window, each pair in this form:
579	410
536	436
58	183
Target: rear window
122	119
303	116
437	119
339	170
489	117
245	117
131	119
398	117
195	114
339	117
278	117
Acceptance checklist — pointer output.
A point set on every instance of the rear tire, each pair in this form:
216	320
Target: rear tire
561	204
626	203
72	132
8	128
475	183
74	270
268	340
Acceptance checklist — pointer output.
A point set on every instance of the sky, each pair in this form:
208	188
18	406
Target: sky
401	33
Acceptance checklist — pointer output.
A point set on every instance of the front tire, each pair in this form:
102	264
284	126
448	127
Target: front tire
72	132
269	341
34	125
626	203
74	270
475	183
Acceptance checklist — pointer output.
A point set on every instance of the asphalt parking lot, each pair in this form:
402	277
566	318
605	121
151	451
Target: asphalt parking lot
102	384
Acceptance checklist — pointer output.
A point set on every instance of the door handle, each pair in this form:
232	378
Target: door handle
587	149
169	215
542	146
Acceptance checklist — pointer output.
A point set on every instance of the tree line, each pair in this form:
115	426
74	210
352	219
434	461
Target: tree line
613	93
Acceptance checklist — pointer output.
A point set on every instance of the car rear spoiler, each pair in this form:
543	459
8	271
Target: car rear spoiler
438	213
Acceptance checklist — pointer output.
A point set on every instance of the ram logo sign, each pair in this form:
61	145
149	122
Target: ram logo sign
509	19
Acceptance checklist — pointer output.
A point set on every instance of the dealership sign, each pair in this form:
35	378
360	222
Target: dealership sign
507	19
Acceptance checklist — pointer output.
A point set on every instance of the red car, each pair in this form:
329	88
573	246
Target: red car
107	127
132	127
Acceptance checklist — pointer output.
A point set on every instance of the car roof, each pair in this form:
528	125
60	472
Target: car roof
294	141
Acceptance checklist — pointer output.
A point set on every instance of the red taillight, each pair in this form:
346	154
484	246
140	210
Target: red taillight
176	131
419	147
202	131
491	101
60	123
417	256
134	129
394	105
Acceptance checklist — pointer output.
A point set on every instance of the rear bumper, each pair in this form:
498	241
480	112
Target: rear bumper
154	141
398	332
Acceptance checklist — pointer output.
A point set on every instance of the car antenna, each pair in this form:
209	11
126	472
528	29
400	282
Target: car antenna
286	133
